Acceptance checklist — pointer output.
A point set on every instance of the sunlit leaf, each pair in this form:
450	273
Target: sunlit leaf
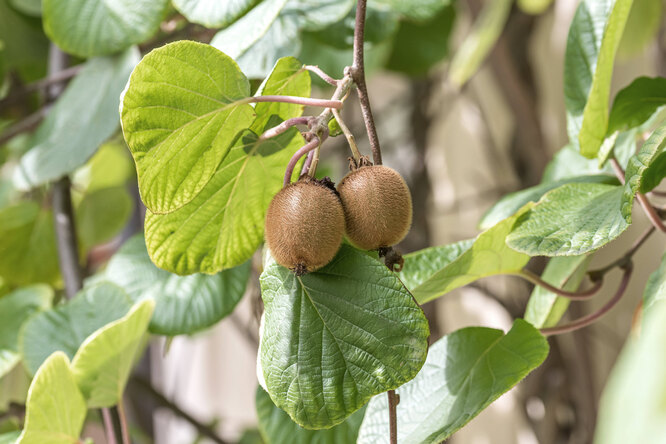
55	409
103	363
464	373
642	27
593	39
180	113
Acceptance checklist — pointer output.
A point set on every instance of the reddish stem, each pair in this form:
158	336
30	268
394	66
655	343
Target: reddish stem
573	295
591	318
325	77
284	126
314	143
308	101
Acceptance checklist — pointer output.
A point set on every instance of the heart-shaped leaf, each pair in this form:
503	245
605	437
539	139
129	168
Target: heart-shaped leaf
55	409
334	338
103	363
464	373
183	304
180	113
66	326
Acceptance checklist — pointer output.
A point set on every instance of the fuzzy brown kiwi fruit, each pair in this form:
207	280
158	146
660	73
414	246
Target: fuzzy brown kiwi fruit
305	225
378	206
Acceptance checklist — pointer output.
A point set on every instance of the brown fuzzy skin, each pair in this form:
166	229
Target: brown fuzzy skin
305	226
378	207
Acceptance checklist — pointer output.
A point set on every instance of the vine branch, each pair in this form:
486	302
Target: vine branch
358	74
322	75
308	101
393	401
573	295
592	317
284	126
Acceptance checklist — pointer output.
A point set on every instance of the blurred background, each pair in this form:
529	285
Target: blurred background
460	149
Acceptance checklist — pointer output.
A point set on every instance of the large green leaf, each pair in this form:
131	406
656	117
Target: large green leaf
509	204
15	308
632	405
29	7
545	308
422	264
102	214
103	363
655	289
82	118
183	304
648	167
95	27
636	103
567	163
223	226
27	244
419	46
641	28
180	113
477	45
334	338
213	13
571	220
276	426
465	372
24	42
65	327
488	255
593	39
55	409
314	15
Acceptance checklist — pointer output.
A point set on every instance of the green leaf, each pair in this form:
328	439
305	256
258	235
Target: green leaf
103	363
111	166
534	7
87	29
314	15
66	326
82	118
488	255
464	373
213	13
29	7
567	163
571	220
239	40
416	10
477	45
25	45
27	245
15	308
223	226
276	426
620	145
421	265
655	289
509	204
55	409
334	338
9	437
545	309
102	214
593	39
180	113
636	103
419	46
632	404
183	304
641	28
647	168
286	78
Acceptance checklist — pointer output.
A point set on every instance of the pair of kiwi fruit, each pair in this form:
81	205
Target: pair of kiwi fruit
307	220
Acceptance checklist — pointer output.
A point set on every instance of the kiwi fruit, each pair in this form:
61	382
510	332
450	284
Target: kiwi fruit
305	225
377	205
